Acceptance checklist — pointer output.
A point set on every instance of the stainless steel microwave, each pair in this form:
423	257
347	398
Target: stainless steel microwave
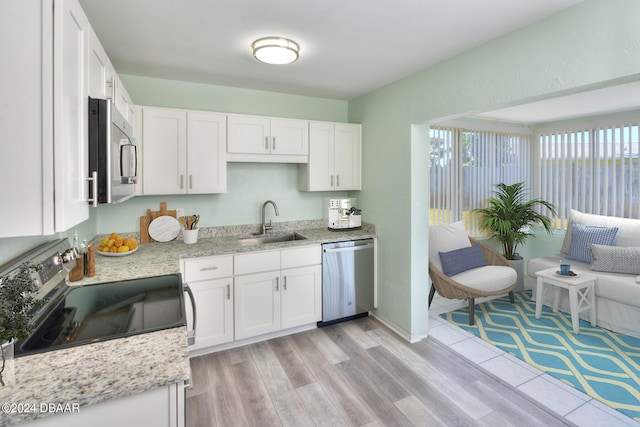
113	158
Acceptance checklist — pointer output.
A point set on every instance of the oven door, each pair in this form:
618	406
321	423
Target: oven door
93	313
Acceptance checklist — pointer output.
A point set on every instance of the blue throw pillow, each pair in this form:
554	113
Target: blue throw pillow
582	236
459	260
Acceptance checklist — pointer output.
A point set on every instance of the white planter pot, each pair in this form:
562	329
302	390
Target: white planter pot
518	265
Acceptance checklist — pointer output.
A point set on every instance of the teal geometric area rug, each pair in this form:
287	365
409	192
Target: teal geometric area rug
600	363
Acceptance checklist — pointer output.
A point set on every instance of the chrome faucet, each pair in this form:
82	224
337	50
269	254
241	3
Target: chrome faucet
266	227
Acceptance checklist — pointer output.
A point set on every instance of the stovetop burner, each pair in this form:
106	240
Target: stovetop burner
92	313
77	315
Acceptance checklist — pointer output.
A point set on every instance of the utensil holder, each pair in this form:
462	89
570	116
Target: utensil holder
190	236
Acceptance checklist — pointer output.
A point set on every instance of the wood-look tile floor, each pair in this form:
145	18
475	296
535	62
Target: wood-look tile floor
354	373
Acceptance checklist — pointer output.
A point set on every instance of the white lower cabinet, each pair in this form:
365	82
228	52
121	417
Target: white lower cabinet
301	298
257	304
211	281
214	306
161	407
252	294
283	298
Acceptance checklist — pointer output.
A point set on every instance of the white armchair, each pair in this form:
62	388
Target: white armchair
470	275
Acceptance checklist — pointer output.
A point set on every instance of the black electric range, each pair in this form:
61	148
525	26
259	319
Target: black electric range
85	314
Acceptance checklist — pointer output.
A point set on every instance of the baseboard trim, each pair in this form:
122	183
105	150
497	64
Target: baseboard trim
398	330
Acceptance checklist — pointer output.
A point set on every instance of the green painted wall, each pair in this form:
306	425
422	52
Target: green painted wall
591	45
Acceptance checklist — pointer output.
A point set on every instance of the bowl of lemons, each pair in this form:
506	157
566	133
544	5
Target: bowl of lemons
117	245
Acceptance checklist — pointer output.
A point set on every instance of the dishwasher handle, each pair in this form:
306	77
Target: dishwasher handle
349	248
191	335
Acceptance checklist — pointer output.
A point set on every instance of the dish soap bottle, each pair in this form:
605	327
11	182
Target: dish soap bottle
77	272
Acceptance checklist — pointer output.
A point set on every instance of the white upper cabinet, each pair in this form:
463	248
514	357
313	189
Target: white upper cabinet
206	152
104	82
26	132
99	68
334	158
46	123
266	139
164	151
348	156
70	111
183	152
120	97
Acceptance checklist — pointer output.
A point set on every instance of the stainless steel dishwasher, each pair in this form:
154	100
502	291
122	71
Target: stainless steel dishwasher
347	280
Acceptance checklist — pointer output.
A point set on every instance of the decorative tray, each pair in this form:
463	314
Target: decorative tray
571	274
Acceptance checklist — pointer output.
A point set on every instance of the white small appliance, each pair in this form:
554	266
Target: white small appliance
342	214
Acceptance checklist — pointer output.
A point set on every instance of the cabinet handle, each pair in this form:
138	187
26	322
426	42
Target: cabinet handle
228	291
94	188
337	180
277	284
274	143
181	182
112	82
215	267
190	182
266	143
284	283
332	180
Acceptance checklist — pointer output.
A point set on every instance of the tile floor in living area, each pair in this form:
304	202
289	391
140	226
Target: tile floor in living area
563	399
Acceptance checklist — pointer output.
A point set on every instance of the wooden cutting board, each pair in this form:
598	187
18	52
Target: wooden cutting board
150	216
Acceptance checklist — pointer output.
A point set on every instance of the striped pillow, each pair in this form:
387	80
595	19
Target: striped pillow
616	259
582	236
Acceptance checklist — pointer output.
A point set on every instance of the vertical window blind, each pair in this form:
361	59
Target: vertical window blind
464	167
593	170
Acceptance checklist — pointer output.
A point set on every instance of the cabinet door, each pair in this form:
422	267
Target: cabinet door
164	149
70	114
248	134
301	296
99	69
206	153
214	307
347	157
158	407
26	126
289	137
122	101
318	174
257	304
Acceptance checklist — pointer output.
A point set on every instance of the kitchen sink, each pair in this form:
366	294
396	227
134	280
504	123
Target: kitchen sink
261	239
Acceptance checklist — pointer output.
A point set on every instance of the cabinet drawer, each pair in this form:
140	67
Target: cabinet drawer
206	268
256	262
300	257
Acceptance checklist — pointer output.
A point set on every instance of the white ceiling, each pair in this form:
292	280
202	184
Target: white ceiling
348	47
612	99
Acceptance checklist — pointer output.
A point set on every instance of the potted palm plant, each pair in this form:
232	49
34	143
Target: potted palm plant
508	217
17	299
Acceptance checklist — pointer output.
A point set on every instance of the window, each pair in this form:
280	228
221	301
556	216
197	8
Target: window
593	169
465	165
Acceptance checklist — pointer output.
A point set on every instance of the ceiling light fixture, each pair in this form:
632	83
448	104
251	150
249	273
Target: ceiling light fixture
275	50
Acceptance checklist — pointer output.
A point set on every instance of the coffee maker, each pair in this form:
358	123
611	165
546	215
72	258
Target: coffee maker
342	214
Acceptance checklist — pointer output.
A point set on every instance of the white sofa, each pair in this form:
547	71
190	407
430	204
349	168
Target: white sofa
617	294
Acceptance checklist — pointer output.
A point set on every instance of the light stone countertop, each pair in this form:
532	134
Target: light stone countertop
94	373
156	259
